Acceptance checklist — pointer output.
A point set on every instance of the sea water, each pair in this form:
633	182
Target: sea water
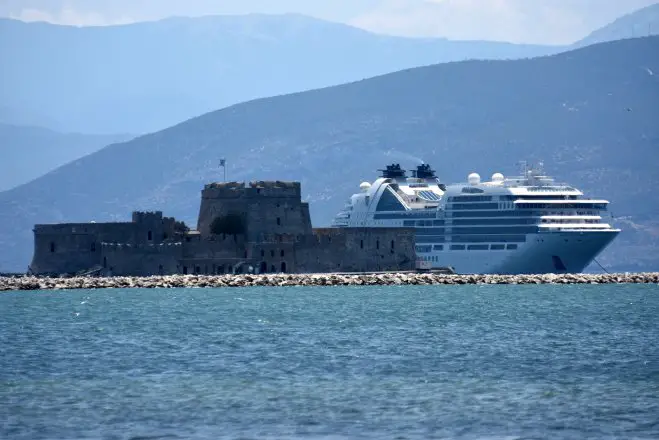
446	362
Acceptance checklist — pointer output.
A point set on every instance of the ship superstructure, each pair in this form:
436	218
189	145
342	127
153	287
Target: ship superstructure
518	225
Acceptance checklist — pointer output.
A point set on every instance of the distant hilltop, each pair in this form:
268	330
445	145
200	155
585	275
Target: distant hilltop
641	23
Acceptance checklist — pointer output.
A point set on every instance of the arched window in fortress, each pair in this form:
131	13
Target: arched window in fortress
273	269
361	244
264	267
281	254
52	246
278	221
283	267
392	245
149	236
377	244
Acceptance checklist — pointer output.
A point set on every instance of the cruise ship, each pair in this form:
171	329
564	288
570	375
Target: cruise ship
527	224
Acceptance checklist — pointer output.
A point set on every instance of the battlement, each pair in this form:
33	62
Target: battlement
146	216
256	189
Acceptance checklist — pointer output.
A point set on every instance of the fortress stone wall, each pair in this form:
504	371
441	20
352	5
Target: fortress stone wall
260	227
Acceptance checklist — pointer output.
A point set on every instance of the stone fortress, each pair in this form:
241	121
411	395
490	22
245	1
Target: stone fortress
260	227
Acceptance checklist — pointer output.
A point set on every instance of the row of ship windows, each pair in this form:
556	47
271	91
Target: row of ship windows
508	198
515	213
478	222
424	249
570	221
598	206
478	230
473	239
486	217
476	206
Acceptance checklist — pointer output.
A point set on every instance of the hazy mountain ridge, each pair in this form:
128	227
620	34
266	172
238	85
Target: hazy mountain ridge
641	23
29	152
147	76
589	114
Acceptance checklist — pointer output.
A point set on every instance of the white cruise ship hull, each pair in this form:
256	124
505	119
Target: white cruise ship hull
557	252
521	225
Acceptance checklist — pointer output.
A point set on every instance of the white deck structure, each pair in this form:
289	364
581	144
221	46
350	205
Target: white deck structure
521	225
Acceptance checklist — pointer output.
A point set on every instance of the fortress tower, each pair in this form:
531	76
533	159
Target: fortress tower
260	208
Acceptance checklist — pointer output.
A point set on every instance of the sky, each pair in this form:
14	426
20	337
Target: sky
518	21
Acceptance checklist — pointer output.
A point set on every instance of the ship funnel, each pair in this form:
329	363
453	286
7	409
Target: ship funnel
393	171
424	172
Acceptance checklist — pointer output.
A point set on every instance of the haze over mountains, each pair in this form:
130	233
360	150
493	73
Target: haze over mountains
641	23
144	77
29	152
590	114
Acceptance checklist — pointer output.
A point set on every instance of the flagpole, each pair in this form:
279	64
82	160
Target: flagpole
223	164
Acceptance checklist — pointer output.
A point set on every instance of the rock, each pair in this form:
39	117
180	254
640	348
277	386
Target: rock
200	281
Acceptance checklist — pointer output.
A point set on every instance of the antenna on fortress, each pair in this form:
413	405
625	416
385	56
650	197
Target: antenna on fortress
223	164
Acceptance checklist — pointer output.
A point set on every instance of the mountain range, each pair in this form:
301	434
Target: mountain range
29	152
591	114
144	77
641	23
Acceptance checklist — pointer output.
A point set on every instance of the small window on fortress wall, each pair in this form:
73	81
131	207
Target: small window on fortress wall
361	244
278	221
282	253
377	244
93	247
52	246
392	245
149	236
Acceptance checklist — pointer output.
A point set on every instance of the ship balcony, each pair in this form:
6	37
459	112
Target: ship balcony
579	227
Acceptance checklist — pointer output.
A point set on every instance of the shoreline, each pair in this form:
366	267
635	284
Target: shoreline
284	280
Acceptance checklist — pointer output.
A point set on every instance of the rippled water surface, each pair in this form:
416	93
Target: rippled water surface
463	362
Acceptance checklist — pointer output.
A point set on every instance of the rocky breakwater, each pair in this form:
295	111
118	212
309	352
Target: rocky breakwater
381	279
